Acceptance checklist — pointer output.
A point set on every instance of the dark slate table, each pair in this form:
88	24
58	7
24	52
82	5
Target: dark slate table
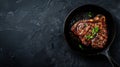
31	34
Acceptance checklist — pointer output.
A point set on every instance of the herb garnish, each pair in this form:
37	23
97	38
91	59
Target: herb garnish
90	14
94	32
80	46
88	37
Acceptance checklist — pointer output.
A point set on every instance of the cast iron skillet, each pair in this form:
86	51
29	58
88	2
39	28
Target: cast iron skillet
81	13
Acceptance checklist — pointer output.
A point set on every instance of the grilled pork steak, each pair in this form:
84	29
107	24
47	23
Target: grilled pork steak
91	32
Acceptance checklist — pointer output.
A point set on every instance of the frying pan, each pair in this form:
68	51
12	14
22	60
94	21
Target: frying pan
81	13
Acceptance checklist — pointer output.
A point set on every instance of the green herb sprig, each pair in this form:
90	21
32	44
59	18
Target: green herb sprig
89	14
81	47
94	32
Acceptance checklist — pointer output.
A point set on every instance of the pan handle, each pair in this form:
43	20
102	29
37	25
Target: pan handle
110	59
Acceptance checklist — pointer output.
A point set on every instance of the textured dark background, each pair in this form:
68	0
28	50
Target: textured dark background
31	34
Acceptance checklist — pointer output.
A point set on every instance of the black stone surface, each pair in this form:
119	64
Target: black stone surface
31	34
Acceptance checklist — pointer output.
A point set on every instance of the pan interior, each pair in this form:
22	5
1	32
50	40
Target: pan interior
79	14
